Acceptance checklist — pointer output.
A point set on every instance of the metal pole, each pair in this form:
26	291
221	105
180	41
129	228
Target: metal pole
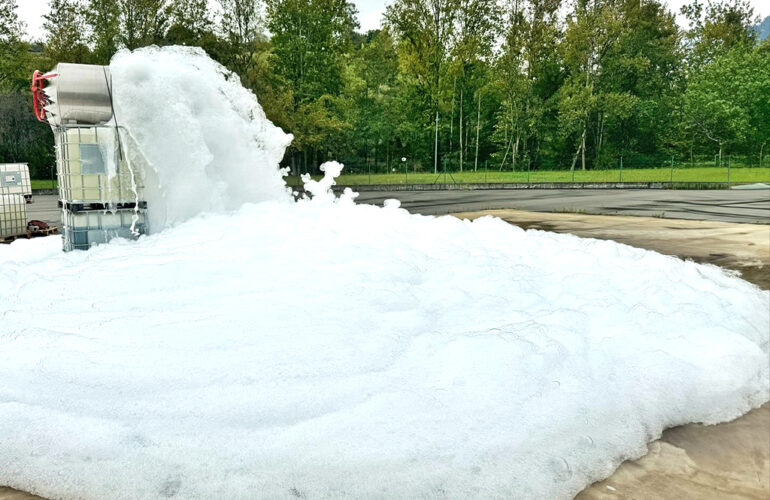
435	148
406	172
729	158
369	171
485	170
671	176
621	169
527	169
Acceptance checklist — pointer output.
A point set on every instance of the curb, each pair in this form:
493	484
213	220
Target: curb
535	185
504	185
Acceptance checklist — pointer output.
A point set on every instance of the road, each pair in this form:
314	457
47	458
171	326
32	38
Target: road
747	206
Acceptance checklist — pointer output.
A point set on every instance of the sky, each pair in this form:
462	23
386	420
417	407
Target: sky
369	12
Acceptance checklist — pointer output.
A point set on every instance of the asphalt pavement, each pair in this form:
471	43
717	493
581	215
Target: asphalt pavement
725	205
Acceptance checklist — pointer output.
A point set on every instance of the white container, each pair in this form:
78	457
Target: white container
82	230
91	169
13	215
14	179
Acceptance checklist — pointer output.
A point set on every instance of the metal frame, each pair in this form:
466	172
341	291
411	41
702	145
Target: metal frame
13	214
88	207
103	191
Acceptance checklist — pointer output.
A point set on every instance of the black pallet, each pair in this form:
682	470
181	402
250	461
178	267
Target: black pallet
90	207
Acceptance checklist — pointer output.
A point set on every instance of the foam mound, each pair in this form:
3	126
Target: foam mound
323	349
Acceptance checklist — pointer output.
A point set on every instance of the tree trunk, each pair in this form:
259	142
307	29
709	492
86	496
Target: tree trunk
574	158
515	149
478	126
583	150
601	135
761	149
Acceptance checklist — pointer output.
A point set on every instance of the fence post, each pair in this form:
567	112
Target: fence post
621	169
369	172
527	170
729	158
671	177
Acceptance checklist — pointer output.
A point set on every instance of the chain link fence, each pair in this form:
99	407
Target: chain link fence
699	169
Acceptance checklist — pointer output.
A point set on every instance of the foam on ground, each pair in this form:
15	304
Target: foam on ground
323	349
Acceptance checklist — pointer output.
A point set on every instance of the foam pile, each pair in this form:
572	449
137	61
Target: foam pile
323	349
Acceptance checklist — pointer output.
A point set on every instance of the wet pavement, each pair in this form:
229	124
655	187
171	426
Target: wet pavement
726	205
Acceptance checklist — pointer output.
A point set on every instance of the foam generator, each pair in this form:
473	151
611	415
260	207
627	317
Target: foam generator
101	191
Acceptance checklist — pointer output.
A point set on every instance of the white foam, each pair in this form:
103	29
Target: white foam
323	349
208	143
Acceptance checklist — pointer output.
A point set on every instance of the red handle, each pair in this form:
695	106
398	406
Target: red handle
39	99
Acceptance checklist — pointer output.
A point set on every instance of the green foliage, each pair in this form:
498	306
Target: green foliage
103	18
514	86
13	51
728	99
65	28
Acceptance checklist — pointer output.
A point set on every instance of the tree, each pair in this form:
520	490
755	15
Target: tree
727	101
103	17
527	75
192	15
65	25
476	28
717	27
13	52
423	30
241	25
310	38
370	86
643	78
309	42
143	22
591	31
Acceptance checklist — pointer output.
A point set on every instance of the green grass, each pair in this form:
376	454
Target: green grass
44	184
695	175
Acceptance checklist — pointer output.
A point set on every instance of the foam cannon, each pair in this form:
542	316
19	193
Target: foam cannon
101	178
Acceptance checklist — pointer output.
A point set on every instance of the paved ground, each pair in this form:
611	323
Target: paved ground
46	209
752	206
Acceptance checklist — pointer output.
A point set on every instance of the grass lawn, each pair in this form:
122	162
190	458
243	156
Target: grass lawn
697	174
44	184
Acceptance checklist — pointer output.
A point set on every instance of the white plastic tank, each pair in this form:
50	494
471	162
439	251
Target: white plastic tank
14	179
82	230
13	215
91	169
